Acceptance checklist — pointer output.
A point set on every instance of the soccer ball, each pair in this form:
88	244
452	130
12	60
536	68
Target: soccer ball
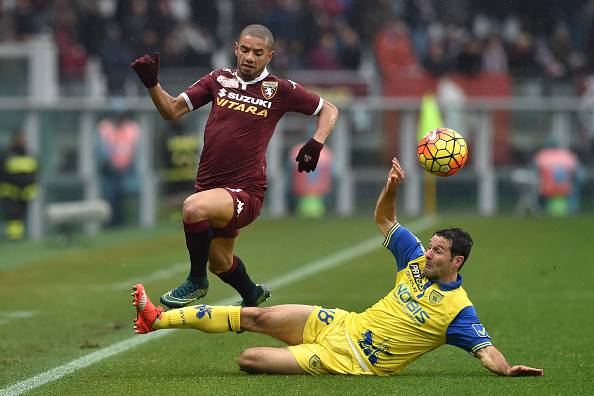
442	152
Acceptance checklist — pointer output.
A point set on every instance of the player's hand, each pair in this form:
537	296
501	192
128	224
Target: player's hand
147	69
309	155
524	371
395	176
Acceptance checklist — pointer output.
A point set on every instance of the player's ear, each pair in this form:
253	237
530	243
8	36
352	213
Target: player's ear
270	55
236	47
458	261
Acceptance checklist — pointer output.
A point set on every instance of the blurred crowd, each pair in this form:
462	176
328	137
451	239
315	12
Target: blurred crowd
553	38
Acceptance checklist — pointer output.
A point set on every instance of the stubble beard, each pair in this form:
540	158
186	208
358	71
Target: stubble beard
248	77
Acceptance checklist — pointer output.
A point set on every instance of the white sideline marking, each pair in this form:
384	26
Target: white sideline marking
309	269
9	316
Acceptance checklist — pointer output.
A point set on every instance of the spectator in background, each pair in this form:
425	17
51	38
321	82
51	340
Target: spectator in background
173	50
115	54
149	40
564	52
163	13
393	48
92	28
436	62
522	56
133	16
26	22
324	55
494	59
282	56
349	47
71	54
118	142
470	59
205	14
18	171
284	18
199	45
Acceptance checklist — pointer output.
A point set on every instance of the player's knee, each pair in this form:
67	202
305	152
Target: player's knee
249	361
193	209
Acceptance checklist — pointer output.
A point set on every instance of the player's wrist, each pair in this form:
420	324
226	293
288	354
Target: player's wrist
150	82
315	143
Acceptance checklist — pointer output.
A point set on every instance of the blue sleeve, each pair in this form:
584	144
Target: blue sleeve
467	332
404	245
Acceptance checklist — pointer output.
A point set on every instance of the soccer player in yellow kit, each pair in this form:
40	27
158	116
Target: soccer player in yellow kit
427	308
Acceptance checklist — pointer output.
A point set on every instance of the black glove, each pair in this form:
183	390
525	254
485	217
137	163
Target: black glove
309	155
147	69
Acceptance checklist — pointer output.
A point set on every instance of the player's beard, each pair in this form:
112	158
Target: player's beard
428	273
247	74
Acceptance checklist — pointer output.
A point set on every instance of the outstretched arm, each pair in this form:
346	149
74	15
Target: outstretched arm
169	107
385	208
309	154
147	69
494	360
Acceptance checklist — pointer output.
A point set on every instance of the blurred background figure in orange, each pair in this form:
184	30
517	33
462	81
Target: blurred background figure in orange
118	143
561	176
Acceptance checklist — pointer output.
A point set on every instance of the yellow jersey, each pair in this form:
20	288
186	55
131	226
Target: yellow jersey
417	316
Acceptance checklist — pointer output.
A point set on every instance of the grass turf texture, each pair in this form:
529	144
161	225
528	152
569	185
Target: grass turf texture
530	280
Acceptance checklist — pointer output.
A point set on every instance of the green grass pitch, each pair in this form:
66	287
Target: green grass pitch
530	280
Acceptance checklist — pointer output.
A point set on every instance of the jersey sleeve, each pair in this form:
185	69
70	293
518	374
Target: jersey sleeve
199	93
404	245
300	100
467	332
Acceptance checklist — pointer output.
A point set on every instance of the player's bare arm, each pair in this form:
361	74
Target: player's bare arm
327	119
169	107
147	69
494	360
309	154
385	209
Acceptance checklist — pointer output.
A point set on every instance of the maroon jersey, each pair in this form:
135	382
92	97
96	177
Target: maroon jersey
241	123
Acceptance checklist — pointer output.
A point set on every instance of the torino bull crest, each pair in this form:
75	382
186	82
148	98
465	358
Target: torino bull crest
269	89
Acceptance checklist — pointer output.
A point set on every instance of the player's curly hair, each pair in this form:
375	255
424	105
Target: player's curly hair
460	240
259	31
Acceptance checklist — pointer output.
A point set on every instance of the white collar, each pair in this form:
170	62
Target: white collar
261	77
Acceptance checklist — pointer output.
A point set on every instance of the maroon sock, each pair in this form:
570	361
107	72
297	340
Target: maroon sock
198	237
238	278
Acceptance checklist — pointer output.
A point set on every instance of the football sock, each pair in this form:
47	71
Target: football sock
238	278
206	318
198	237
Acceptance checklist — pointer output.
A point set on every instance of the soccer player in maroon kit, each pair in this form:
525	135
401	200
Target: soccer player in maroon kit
247	103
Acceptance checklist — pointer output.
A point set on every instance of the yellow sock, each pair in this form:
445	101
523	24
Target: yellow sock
202	317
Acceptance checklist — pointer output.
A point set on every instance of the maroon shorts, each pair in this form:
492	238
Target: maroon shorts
246	208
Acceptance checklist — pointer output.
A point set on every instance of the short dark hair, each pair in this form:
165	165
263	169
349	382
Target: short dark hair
461	242
259	31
